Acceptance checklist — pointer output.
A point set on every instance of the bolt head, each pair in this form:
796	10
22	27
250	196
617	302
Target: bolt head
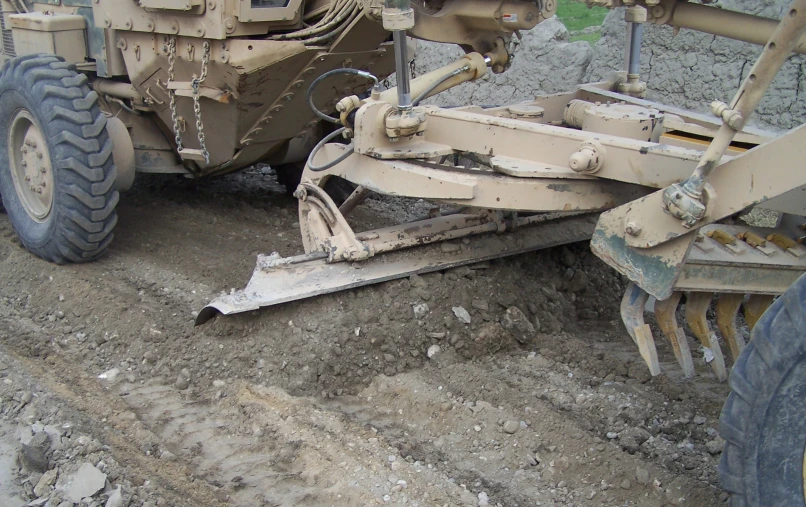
24	149
39	190
39	154
43	170
33	144
27	178
24	163
633	229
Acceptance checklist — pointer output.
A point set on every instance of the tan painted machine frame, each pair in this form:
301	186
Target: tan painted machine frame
590	150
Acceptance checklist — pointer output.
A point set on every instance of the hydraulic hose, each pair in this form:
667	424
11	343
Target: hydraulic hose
337	160
427	91
309	93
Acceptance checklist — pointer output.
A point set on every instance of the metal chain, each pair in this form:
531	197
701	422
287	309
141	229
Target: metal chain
172	92
196	106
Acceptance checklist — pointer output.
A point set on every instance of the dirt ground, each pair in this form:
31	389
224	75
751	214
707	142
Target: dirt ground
345	399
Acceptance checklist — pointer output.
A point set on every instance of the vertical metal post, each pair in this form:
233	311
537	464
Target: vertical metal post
402	70
634	60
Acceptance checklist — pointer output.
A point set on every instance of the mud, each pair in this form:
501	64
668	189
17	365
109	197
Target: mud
378	395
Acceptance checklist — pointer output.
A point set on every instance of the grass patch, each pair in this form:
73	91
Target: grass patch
591	38
576	16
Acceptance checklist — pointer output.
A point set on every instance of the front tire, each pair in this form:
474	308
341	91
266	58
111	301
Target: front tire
57	175
764	418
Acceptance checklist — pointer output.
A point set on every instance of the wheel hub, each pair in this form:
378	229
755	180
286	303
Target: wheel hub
31	168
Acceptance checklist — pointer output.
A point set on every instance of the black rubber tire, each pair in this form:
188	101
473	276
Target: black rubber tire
764	418
79	226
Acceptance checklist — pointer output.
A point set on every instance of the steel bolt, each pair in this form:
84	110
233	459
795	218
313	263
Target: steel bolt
633	229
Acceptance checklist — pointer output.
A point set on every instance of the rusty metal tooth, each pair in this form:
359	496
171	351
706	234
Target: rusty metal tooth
697	304
755	307
632	314
665	314
727	309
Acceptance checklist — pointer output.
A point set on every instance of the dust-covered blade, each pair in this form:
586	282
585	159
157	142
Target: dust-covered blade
280	280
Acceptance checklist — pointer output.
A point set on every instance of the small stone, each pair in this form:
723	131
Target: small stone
580	399
182	382
47	480
612	435
87	481
567	257
625	484
699	420
420	310
484	500
640	373
461	314
446	247
578	282
642	475
115	498
110	375
219	383
511	426
59	314
477	428
715	446
432	351
100	339
531	460
389	358
167	456
480	304
518	325
261	363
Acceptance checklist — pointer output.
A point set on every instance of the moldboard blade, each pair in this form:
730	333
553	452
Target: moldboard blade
277	280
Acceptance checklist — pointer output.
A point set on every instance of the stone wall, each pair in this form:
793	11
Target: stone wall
544	62
691	69
688	70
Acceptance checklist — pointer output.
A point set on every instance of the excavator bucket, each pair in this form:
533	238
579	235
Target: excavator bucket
277	280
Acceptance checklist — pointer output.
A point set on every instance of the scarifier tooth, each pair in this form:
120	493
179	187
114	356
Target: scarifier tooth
632	314
727	309
755	307
697	304
665	314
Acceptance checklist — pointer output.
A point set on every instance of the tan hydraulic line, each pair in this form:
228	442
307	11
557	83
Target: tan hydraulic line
730	24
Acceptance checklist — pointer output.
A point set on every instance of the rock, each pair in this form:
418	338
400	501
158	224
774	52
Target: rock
531	460
32	456
446	247
639	372
87	481
642	476
182	382
511	427
219	383
417	282
612	435
625	484
699	420
631	439
461	314
578	282
110	375
518	325
420	310
167	456
432	351
45	482
567	257
484	500
481	304
115	498
715	446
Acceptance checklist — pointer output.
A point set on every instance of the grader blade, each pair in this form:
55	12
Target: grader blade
277	280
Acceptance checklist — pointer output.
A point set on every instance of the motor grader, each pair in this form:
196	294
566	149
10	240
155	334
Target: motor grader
92	93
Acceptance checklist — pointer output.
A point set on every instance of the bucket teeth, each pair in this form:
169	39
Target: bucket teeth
665	314
755	307
632	313
697	304
727	309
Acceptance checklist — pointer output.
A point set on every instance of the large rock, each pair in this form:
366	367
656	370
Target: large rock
87	481
691	69
544	62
